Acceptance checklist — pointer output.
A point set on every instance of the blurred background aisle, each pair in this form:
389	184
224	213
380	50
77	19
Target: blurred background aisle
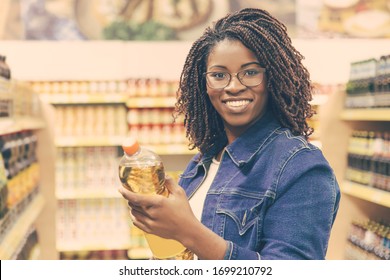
78	76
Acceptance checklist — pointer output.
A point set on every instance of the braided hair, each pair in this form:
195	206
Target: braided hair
288	81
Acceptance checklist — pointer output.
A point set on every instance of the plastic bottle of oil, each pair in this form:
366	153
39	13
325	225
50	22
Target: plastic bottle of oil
142	171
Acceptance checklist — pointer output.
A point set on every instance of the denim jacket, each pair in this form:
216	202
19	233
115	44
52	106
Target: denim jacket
274	195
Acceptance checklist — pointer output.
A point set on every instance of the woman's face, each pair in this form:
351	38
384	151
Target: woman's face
239	106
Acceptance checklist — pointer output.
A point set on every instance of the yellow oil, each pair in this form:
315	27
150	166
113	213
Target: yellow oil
163	248
143	179
150	180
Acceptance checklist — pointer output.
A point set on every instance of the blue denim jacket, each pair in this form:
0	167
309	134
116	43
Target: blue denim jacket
274	196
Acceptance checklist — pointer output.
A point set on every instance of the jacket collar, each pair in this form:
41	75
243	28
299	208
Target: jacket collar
247	145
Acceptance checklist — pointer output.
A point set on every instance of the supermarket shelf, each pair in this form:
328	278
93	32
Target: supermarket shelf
151	102
366	193
139	253
171	149
67	99
89	194
94	245
17	233
97	141
366	114
12	125
162	149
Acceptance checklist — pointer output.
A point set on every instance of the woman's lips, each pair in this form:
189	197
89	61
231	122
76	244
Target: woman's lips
237	106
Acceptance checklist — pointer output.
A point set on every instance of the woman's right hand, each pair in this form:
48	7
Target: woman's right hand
168	217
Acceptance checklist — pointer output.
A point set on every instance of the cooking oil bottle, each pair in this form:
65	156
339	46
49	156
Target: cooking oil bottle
142	171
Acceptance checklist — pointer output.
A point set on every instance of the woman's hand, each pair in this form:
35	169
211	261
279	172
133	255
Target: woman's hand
168	217
171	217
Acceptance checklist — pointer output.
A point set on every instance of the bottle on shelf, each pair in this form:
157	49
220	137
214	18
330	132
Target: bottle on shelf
142	171
5	71
3	189
381	77
368	240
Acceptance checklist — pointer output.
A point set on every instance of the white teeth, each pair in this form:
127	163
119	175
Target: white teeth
237	103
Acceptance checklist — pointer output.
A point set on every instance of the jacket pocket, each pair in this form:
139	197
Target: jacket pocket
241	215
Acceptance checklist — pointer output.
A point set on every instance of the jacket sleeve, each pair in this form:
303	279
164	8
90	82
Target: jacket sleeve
297	224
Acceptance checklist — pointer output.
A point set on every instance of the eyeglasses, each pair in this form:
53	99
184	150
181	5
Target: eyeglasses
249	77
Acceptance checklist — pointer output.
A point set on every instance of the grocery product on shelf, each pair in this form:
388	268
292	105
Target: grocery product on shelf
92	224
15	224
110	91
369	159
382	81
6	99
20	199
5	71
93	121
94	255
369	83
155	126
86	172
368	240
20	164
3	188
91	118
150	87
142	171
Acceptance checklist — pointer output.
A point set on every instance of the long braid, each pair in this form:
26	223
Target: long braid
288	81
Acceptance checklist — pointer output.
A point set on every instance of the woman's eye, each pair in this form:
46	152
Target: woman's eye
251	72
219	76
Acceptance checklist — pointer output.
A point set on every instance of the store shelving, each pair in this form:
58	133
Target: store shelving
100	245
366	193
139	253
92	141
171	149
14	237
377	114
85	173
68	99
151	102
88	194
73	148
358	202
162	149
15	125
320	97
21	125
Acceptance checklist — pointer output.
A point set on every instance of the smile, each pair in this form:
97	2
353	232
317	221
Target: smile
237	103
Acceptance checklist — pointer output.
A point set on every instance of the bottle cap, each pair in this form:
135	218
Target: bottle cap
130	145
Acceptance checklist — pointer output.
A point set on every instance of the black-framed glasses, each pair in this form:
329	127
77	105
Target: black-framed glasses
250	77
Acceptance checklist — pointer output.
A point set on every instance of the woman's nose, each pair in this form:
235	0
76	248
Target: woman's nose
234	85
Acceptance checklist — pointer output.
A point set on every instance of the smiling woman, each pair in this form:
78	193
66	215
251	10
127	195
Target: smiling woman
257	189
239	99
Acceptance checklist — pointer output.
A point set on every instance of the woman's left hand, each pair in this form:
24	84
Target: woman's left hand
168	217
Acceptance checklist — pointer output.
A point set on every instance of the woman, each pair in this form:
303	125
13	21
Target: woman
257	189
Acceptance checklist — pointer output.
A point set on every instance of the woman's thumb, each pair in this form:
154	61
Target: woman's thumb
171	185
